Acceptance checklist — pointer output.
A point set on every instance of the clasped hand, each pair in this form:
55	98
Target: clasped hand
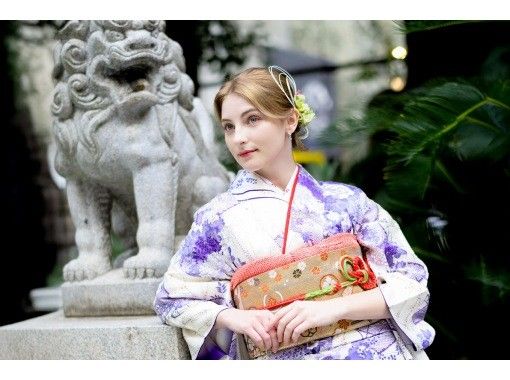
268	330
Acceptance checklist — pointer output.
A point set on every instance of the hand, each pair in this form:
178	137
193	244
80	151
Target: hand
257	324
294	319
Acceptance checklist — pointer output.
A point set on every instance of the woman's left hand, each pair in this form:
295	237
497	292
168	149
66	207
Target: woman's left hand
294	319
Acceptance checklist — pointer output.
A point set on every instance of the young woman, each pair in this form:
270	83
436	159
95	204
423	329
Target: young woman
263	118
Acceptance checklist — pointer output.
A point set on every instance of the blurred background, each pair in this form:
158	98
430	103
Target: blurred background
416	113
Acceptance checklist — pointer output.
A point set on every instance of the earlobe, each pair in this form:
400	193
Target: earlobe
293	121
292	127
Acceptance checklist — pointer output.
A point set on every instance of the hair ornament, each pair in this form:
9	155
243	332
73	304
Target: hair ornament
297	100
288	80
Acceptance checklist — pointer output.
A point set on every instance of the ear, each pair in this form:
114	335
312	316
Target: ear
292	121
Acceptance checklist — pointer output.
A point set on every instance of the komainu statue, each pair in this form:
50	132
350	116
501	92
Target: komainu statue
129	144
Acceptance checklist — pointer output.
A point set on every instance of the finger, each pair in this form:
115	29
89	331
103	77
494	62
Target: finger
266	338
274	340
268	321
301	328
283	323
256	338
289	329
279	314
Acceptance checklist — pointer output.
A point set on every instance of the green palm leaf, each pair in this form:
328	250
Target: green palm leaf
488	277
413	26
444	153
453	119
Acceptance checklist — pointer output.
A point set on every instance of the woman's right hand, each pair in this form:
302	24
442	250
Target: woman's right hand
257	324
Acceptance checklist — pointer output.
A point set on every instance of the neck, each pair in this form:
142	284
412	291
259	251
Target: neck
280	172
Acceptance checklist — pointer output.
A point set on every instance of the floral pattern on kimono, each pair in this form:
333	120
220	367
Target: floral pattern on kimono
247	222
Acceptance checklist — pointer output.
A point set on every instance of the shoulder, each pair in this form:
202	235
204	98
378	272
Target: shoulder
341	190
215	208
329	190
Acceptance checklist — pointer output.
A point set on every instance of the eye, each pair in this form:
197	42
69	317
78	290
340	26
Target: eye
228	127
253	119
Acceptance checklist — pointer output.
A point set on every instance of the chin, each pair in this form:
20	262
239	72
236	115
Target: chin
252	167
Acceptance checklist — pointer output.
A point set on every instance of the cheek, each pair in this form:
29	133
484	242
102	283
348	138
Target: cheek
229	145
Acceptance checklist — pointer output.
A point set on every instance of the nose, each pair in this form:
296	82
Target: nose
239	135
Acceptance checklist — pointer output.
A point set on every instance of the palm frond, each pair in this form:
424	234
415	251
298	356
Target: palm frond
426	254
413	26
496	66
492	279
410	180
399	205
455	111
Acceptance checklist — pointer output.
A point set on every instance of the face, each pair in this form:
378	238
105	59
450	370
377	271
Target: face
254	140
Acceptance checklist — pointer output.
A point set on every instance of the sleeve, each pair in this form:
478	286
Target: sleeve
196	287
402	276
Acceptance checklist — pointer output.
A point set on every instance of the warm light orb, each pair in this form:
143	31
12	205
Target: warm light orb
397	84
399	52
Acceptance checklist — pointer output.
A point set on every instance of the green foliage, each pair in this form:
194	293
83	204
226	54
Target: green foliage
323	172
413	26
223	46
442	154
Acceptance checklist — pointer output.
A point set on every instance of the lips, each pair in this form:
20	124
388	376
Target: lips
244	153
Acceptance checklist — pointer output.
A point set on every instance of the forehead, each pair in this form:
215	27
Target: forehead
234	105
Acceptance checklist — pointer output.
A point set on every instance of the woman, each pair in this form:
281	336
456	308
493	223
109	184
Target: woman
263	118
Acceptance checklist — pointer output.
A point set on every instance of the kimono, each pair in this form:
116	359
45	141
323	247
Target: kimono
247	222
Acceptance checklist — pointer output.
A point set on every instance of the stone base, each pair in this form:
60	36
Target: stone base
109	295
54	336
46	299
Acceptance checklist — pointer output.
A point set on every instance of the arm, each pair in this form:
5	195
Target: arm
192	305
402	276
195	287
365	305
195	293
292	320
401	296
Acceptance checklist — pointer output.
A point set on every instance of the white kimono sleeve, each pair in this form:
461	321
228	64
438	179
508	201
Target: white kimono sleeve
196	287
402	276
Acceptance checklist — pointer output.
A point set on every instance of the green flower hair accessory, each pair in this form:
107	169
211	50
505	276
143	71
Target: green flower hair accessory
306	114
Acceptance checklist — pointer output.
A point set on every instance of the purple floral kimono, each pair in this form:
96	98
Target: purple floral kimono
247	222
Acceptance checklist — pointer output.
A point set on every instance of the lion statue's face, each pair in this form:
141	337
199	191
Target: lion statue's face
130	65
128	57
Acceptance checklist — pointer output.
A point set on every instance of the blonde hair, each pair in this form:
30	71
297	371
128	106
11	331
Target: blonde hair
258	87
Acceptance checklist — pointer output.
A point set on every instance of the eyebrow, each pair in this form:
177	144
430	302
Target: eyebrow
244	113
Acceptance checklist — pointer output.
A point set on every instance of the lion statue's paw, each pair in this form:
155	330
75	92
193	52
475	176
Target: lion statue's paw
86	268
146	264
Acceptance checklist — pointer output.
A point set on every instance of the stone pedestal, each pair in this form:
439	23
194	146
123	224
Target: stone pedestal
46	299
54	336
109	295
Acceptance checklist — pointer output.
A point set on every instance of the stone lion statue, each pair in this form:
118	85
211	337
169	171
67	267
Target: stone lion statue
128	143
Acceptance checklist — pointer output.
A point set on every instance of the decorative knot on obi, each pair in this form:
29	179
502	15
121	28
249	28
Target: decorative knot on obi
356	272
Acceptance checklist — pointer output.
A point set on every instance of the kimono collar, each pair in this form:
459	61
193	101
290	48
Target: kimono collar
246	181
